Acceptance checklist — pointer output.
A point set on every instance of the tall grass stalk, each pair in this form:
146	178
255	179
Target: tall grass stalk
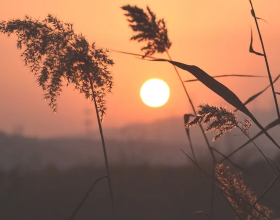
268	127
76	210
154	31
224	186
221	120
266	61
54	53
106	159
205	138
193	108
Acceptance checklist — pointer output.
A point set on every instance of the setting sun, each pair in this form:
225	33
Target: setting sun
155	92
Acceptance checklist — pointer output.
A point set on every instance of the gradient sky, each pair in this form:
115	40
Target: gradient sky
214	35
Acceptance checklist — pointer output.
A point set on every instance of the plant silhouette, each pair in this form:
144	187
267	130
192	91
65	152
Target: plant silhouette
218	119
220	90
228	75
241	198
57	55
54	53
149	29
222	120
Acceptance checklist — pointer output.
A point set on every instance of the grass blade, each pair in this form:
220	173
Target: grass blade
220	90
269	126
74	213
253	14
267	189
229	160
134	54
231	75
186	120
251	50
266	60
226	187
212	84
259	93
202	213
245	103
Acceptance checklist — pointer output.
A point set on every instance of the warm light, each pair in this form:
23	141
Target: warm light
154	93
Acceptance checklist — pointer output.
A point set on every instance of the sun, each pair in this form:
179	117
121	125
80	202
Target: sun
155	92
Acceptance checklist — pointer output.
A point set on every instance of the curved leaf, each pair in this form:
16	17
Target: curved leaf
259	93
253	14
220	90
251	50
186	121
269	126
231	75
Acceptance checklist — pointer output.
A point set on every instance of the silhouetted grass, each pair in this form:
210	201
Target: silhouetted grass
222	119
141	192
265	57
229	75
148	29
54	52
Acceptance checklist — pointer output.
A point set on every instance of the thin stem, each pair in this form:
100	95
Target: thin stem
194	157
204	135
193	108
105	154
272	203
266	61
202	213
234	164
236	150
186	120
258	149
218	181
213	189
268	160
268	188
74	213
277	168
233	209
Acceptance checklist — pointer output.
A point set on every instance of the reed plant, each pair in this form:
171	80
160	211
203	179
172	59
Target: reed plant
54	53
244	203
57	55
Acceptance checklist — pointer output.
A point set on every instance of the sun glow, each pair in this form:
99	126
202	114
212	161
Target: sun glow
154	93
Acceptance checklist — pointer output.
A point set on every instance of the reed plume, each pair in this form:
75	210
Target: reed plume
219	119
242	198
54	52
149	29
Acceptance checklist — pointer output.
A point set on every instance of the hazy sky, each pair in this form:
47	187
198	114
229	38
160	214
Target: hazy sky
213	35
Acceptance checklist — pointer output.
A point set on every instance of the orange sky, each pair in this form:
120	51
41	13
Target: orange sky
213	35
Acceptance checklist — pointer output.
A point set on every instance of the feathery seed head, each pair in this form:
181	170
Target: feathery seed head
54	53
149	29
239	195
219	119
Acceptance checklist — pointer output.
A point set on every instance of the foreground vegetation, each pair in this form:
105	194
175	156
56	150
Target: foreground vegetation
141	192
54	53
